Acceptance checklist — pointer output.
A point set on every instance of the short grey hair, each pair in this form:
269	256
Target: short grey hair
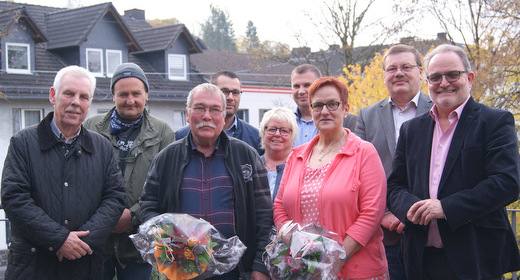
445	48
77	71
280	114
207	87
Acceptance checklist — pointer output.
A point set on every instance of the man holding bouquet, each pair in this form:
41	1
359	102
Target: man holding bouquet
217	178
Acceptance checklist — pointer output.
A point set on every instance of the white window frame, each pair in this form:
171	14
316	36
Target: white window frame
184	77
22	115
14	70
117	52
100	51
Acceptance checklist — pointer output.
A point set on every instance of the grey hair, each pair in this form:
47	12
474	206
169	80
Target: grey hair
280	114
207	87
77	71
445	48
304	68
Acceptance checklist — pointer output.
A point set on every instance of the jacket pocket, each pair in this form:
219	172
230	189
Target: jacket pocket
21	261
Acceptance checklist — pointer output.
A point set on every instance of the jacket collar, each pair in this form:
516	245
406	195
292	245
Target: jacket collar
47	139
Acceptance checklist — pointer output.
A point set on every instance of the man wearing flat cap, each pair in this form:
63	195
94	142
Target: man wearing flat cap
136	137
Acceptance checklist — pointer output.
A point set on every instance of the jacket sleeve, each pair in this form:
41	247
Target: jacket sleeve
112	202
279	213
360	126
34	224
490	171
149	197
264	213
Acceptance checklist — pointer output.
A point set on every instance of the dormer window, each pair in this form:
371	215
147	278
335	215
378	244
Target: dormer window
18	57
95	61
114	58
177	67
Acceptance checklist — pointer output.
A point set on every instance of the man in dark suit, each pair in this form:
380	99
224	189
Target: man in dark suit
379	124
454	171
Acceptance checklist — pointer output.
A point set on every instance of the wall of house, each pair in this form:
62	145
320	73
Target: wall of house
258	100
105	35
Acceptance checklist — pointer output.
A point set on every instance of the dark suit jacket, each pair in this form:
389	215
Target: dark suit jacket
479	179
376	125
350	122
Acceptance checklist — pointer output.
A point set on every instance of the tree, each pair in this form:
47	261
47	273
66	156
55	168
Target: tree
163	22
489	30
217	31
252	37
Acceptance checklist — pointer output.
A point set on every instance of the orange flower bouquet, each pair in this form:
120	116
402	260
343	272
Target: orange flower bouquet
180	246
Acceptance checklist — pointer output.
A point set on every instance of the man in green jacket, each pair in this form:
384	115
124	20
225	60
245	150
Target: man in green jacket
136	137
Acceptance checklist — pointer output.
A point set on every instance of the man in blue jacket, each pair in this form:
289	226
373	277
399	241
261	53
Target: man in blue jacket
230	85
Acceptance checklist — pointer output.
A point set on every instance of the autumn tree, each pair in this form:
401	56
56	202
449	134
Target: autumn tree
489	30
217	31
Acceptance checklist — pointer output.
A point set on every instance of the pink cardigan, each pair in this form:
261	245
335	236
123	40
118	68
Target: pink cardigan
351	202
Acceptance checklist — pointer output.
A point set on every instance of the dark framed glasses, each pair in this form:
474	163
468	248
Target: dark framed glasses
451	76
284	131
331	106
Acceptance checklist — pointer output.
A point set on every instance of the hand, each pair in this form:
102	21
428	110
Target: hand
74	248
391	222
257	275
424	211
124	224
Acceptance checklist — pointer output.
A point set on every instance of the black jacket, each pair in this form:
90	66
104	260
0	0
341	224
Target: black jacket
50	189
253	206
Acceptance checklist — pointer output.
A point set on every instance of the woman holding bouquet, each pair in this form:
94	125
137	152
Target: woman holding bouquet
337	181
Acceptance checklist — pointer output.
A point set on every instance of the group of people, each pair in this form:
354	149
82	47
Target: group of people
415	185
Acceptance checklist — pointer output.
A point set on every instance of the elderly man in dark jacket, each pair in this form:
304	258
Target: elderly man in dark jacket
61	189
219	178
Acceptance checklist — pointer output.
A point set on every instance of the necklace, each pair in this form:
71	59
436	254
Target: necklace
323	154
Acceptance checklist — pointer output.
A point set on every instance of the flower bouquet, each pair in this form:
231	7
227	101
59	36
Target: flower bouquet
307	252
180	246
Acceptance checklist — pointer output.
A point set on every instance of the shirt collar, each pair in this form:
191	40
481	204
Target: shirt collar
415	100
192	144
60	135
454	114
234	124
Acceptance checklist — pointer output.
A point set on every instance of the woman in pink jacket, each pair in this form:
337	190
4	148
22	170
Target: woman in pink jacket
337	181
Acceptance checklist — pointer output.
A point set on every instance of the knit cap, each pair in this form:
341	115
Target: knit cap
126	70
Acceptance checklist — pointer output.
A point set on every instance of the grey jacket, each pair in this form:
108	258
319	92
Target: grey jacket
154	136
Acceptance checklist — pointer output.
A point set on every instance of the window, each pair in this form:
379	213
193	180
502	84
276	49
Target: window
30	117
18	57
95	61
179	119
177	67
261	113
243	114
114	58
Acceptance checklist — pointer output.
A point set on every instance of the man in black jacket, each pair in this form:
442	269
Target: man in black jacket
61	189
219	178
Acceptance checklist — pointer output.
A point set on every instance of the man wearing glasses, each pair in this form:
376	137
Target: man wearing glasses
455	169
219	178
379	124
230	85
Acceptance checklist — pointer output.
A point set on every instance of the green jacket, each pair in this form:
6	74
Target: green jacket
154	136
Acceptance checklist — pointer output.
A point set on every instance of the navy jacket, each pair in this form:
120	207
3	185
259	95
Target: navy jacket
479	179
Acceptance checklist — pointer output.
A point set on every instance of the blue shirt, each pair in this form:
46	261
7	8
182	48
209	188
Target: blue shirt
306	130
207	190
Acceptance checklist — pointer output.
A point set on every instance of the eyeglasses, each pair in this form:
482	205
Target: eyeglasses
284	131
331	106
235	92
202	110
451	77
407	68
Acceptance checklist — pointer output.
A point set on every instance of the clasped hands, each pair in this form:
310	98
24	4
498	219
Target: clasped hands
424	211
74	248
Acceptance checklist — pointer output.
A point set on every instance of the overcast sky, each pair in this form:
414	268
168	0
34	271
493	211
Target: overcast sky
275	20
